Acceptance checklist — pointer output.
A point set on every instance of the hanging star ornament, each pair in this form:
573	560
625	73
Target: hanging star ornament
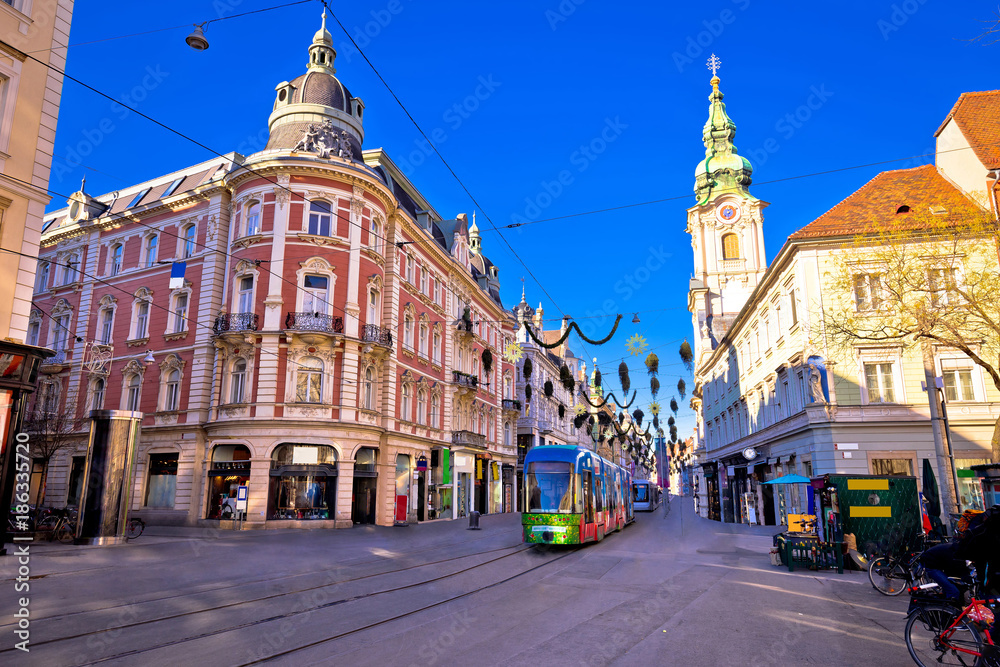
636	345
581	409
654	408
513	352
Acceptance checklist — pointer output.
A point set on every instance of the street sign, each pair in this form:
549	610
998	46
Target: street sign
241	498
422	463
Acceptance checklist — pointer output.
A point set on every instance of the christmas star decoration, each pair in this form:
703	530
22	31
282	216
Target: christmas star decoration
636	345
513	352
581	409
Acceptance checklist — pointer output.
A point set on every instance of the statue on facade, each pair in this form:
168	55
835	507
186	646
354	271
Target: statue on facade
325	141
816	384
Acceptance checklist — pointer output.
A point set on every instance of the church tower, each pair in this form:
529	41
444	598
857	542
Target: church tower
725	228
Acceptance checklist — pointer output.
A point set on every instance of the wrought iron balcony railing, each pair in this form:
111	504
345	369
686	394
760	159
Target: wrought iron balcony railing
314	322
236	322
511	404
468	438
373	333
465	379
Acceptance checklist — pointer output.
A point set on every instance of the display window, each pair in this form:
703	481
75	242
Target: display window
230	469
303	482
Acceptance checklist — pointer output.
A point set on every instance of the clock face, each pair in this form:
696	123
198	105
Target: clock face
749	453
728	212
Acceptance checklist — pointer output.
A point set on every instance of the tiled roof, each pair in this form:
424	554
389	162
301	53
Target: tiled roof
190	182
879	200
978	116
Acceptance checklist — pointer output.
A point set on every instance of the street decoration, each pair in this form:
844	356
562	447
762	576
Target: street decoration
581	410
513	352
487	357
573	326
623	376
637	416
636	345
654	386
548	388
653	364
681	388
687	356
566	377
673	405
527	369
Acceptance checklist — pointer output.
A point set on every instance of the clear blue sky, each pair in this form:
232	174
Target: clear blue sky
552	78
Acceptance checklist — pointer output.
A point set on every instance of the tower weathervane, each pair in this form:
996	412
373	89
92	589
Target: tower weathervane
714	63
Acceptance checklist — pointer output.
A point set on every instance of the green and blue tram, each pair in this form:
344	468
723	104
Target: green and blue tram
572	496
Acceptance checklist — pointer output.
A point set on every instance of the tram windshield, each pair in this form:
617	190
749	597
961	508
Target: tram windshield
549	487
640	493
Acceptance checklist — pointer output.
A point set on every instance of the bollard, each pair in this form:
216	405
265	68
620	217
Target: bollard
473	521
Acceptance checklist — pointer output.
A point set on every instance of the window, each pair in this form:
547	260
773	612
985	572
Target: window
878	376
60	332
404	404
424	282
315	294
253	218
309	385
238	382
245	294
34	328
42	279
410	269
170	188
423	339
867	291
319	218
172	390
408	331
773	332
70	269
730	246
162	485
942	285
373	316
138	197
892	466
793	315
435	411
75	485
50	398
375	236
957	375
368	398
438	294
116	259
107	319
436	350
189	241
422	406
151	243
180	312
506	434
133	392
98	388
308	490
141	320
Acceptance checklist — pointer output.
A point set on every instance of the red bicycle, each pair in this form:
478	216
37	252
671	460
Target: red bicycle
940	634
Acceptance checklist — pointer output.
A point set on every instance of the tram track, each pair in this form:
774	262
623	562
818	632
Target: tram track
299	591
518	549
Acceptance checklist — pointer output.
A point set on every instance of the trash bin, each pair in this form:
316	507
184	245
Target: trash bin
473	521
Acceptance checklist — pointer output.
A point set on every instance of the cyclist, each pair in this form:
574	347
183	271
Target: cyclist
977	539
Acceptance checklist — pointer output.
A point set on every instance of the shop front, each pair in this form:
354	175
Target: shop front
970	488
365	487
229	469
441	485
507	473
402	507
303	482
464	469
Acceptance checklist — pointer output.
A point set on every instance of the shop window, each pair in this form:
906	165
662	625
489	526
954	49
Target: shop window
970	489
162	486
303	482
892	466
230	469
365	461
75	482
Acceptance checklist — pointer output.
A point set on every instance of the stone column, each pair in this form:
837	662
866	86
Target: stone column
345	492
273	303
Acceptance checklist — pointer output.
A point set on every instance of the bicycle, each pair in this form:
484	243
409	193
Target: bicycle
938	633
60	525
135	528
891	575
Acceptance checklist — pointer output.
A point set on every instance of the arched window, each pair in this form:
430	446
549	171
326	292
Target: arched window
99	388
172	391
141	329
506	434
106	318
368	399
436	349
421	406
320	218
133	393
253	218
151	243
42	279
116	259
408	331
238	382
179	311
309	384
730	246
189	241
423	337
404	404
435	411
375	236
244	294
373	313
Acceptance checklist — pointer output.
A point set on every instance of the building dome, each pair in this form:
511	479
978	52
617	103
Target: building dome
319	87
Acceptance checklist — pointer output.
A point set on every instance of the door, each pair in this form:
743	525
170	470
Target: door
588	506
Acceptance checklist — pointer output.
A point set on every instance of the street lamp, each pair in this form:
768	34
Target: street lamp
196	40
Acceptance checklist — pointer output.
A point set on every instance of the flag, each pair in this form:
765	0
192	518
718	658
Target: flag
177	274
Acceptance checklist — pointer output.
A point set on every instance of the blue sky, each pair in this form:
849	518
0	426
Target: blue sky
548	109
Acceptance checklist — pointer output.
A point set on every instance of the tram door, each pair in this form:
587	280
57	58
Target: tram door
588	503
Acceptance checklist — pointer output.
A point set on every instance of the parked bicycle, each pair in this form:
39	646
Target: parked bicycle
59	524
891	575
135	528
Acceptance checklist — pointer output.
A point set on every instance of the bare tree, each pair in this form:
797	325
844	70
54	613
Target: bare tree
929	278
991	35
50	433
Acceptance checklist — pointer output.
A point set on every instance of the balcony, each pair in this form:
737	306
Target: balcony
311	326
468	439
512	404
55	363
465	380
545	426
235	322
373	333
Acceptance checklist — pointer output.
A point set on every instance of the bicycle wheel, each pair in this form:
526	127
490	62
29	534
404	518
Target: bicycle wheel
888	575
66	533
960	646
135	527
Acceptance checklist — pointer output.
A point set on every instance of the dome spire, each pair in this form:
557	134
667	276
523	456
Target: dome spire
722	171
321	51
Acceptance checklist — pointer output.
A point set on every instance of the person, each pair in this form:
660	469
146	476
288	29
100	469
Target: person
977	539
941	562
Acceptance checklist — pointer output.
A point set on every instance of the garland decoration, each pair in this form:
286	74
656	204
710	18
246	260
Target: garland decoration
673	405
621	417
597	377
653	364
579	420
527	393
566	377
623	376
562	411
487	360
687	356
611	396
681	388
548	388
573	326
654	386
638	415
603	418
527	369
671	421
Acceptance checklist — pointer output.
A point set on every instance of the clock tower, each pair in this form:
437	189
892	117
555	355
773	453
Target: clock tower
725	228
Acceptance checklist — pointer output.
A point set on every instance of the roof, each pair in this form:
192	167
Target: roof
978	116
878	202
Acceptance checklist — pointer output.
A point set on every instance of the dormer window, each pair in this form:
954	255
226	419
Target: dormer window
138	197
902	209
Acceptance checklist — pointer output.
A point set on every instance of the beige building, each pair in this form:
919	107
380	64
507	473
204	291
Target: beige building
775	394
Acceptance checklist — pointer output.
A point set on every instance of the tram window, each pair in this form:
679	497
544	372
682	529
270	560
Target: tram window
640	493
599	494
549	487
588	497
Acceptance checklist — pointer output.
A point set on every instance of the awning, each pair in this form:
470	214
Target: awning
789	479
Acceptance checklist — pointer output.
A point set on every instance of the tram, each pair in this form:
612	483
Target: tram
646	495
573	496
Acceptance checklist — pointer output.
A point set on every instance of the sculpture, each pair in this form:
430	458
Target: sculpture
816	384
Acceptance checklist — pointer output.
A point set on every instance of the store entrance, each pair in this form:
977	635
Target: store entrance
363	500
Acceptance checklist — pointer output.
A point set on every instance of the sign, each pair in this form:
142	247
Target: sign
241	498
422	463
750	453
841	446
